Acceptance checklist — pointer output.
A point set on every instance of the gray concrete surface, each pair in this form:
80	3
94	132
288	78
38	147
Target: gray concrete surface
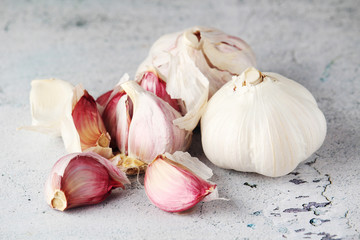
316	43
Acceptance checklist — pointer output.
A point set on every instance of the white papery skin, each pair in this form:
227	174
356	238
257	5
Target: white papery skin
267	127
48	99
195	63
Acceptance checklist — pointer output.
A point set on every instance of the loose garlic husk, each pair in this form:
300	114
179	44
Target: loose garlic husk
141	124
262	122
176	182
48	99
195	63
79	179
59	108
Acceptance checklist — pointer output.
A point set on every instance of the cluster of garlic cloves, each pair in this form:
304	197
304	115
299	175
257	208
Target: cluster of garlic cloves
80	179
141	123
177	182
195	63
262	122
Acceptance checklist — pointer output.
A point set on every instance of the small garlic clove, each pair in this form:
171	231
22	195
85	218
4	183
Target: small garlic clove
151	131
109	116
48	99
151	82
103	100
89	124
82	128
79	179
123	119
175	183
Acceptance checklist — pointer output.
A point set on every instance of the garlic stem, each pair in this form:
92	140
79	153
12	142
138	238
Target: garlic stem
251	77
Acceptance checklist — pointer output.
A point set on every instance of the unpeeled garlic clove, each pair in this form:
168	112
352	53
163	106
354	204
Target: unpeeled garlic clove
79	179
151	130
177	182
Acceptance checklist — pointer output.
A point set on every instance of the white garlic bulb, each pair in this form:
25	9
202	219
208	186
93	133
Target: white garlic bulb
194	64
262	122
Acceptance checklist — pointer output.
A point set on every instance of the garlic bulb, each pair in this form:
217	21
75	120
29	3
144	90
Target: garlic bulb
58	108
79	179
195	63
262	122
177	182
141	124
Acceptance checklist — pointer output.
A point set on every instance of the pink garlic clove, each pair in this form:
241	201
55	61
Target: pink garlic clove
109	116
89	124
79	179
151	82
174	183
152	131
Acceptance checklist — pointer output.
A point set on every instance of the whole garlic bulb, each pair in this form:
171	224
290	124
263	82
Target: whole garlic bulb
262	122
195	63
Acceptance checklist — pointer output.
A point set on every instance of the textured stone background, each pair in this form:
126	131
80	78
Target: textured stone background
316	43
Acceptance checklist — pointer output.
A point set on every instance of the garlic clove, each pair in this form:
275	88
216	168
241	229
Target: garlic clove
174	187
271	124
151	130
79	179
151	82
82	128
104	99
124	111
48	98
109	116
89	124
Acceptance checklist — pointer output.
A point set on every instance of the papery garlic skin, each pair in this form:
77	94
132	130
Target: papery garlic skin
195	63
177	182
262	122
79	179
48	98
